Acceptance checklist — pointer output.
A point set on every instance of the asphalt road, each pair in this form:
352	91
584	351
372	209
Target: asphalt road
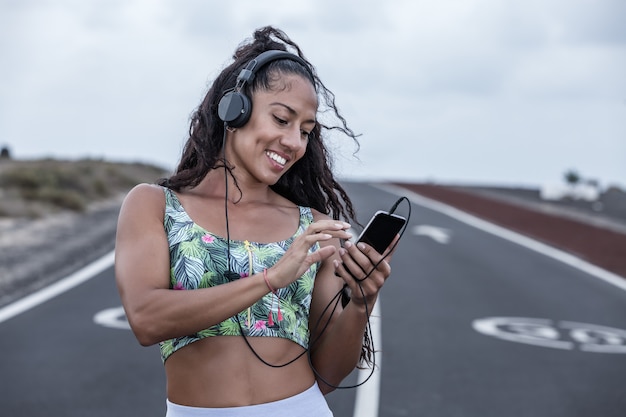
472	325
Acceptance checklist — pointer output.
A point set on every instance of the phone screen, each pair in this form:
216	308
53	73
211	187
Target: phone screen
381	230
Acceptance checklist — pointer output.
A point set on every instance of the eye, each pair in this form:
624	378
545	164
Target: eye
305	135
280	121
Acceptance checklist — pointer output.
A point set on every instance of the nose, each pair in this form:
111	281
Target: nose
292	140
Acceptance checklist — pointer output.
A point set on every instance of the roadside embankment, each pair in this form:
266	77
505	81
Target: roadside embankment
57	216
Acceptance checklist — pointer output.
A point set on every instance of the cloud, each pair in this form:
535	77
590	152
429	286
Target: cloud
454	90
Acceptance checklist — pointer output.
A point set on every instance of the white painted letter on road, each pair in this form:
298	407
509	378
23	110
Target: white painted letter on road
557	335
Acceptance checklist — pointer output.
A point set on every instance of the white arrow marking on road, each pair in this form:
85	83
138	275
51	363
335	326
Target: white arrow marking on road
438	234
112	317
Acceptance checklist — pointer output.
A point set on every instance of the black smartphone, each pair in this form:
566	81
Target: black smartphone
381	230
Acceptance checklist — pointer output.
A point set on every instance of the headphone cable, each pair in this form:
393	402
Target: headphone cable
336	299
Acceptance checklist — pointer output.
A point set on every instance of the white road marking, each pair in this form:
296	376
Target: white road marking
547	333
368	394
499	231
597	339
530	331
114	318
438	234
59	287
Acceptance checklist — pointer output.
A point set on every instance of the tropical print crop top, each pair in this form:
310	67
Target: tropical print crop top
198	259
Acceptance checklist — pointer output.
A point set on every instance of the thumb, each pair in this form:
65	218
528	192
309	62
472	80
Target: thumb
317	256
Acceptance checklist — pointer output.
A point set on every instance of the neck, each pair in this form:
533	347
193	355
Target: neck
240	190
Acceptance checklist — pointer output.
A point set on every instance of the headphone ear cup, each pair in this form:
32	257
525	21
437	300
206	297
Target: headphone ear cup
234	109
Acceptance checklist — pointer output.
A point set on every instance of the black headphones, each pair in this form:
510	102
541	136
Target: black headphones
235	107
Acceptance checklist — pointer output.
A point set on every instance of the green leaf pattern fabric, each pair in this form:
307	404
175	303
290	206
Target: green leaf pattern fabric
198	259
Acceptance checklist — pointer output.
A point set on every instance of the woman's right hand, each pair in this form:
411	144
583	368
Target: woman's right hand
297	260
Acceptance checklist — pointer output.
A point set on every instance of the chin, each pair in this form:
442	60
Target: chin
270	181
274	179
274	182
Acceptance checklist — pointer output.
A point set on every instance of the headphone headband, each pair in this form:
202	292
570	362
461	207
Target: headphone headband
235	107
248	72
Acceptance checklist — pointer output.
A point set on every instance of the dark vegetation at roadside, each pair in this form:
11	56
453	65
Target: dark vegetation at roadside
36	188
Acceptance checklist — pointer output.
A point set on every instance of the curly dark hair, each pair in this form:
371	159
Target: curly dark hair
310	182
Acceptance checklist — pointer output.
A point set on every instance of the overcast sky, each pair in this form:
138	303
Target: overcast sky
454	91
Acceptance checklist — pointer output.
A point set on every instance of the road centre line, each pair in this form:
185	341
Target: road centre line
367	397
507	234
57	288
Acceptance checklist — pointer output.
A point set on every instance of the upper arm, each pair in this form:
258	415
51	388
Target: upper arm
141	249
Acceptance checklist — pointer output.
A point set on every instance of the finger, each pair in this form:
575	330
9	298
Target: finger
334	227
359	291
355	268
321	254
380	262
363	254
345	273
371	263
342	271
384	268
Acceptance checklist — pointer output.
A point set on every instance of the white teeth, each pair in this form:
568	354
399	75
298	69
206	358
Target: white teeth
276	158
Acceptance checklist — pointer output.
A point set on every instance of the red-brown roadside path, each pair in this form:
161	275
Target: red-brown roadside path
596	245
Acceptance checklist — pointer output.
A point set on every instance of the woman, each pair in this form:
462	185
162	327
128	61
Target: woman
250	223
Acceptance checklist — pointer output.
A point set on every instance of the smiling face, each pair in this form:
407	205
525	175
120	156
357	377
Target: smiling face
276	136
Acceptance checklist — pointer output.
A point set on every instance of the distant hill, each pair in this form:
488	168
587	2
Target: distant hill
36	188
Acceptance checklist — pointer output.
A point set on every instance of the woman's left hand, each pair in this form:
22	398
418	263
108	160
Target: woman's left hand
364	270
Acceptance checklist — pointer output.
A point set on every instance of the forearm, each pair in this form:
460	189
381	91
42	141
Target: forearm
339	350
163	314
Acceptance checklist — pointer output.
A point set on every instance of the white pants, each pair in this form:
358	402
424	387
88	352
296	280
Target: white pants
310	403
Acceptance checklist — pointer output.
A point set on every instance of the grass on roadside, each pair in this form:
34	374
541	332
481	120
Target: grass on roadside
34	188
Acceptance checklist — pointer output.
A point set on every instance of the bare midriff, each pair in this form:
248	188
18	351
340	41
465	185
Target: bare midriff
222	371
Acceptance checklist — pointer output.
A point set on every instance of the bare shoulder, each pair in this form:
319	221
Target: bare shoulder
145	194
145	190
318	215
144	199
